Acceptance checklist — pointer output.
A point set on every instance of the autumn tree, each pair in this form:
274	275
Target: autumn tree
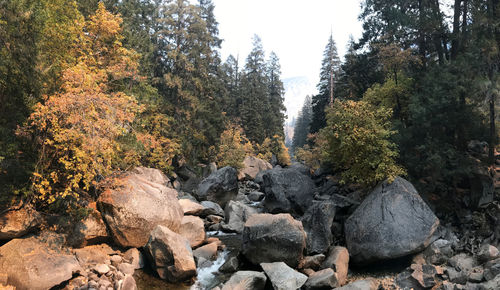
77	128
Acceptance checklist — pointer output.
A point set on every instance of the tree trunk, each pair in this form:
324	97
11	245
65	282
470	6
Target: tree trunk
455	42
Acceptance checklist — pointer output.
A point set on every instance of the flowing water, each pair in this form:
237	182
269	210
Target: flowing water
207	277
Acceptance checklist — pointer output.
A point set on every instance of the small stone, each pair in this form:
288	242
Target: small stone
129	283
208	252
214	219
256	196
476	274
101	269
459	277
312	262
134	257
324	279
126	268
115	260
93	277
93	284
119	275
488	253
308	271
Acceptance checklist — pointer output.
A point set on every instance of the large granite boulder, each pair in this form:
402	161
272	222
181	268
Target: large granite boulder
271	238
392	222
170	255
15	223
252	166
287	190
37	262
283	277
317	222
193	229
237	214
136	204
246	280
220	186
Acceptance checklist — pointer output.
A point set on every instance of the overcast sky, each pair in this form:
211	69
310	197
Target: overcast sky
297	30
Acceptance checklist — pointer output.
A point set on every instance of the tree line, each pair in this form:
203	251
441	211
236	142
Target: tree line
425	85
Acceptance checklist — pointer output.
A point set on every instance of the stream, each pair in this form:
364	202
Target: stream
207	277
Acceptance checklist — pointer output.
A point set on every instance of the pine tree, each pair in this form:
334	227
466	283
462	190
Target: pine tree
231	77
275	115
302	125
254	94
330	72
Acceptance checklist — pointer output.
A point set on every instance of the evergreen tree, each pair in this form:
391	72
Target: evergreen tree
275	112
302	125
330	72
254	94
231	77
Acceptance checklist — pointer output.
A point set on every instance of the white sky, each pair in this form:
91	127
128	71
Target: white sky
297	30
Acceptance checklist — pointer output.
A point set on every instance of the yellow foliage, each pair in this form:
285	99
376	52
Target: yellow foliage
233	147
273	146
78	128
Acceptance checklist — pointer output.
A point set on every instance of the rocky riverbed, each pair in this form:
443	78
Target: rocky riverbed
263	227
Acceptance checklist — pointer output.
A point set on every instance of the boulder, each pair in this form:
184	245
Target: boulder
190	207
37	262
392	222
94	254
287	191
208	252
246	280
211	208
170	255
338	260
15	223
273	238
324	279
136	205
193	229
128	283
425	274
317	222
220	186
231	265
283	277
297	166
492	269
91	230
252	166
365	284
237	214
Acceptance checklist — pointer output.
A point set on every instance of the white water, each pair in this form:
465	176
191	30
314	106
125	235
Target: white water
206	275
219	233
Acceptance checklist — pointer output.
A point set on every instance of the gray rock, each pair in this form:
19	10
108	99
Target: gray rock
476	275
237	214
283	277
135	207
324	279
456	276
404	280
338	260
392	222
220	186
256	196
273	238
492	269
246	280
37	262
488	253
317	222
211	208
231	265
299	167
493	284
287	190
365	284
170	255
462	262
438	252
